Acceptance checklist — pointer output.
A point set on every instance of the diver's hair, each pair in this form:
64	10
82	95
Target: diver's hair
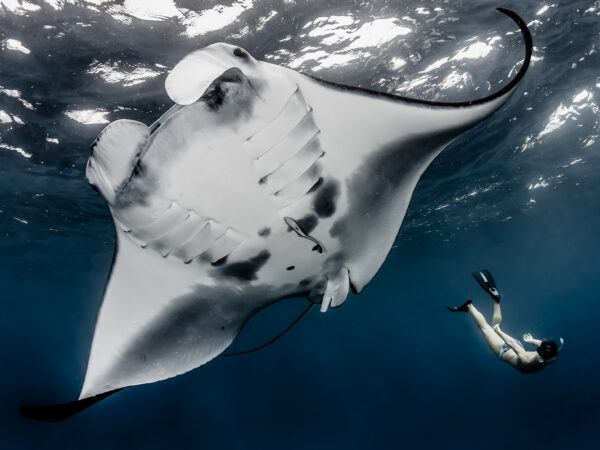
548	349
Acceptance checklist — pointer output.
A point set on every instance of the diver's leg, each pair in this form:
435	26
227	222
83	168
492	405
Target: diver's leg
497	320
494	341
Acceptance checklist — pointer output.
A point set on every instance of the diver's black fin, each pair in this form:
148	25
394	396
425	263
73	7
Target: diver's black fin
56	413
486	281
461	308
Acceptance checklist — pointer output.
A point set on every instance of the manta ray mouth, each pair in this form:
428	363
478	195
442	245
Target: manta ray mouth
231	87
222	87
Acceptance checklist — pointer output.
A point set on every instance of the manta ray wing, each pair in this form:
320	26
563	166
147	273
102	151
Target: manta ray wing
159	318
377	147
376	150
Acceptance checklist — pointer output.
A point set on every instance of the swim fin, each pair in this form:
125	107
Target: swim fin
461	308
486	281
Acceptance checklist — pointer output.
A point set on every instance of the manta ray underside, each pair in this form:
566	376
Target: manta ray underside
260	184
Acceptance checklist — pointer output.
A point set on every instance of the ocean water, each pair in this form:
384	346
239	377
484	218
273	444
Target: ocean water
519	194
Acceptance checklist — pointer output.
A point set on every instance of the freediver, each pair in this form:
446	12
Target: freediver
508	349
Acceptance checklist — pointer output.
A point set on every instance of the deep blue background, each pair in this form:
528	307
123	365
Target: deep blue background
392	368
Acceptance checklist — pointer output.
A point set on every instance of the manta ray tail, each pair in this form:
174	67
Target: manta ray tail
56	413
276	338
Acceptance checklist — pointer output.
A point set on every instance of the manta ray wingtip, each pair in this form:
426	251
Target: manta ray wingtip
508	12
62	411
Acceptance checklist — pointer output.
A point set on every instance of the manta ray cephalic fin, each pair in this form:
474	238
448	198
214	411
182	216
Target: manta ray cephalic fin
114	154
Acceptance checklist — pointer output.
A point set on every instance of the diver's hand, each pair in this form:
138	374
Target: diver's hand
527	337
497	327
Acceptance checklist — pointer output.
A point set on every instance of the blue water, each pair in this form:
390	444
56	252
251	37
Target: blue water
392	368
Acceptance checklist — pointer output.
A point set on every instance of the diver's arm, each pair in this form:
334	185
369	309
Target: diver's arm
527	337
510	341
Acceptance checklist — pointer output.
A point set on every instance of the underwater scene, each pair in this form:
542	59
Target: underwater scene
401	343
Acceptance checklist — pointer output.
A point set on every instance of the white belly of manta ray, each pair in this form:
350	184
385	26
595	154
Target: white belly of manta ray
261	183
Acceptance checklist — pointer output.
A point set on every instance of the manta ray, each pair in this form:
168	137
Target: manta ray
260	184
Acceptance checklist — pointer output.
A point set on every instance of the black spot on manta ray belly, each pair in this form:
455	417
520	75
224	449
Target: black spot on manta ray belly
308	223
264	232
246	270
325	200
240	53
290	268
